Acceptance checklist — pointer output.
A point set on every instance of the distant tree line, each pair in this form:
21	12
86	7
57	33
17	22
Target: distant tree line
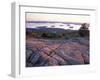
82	32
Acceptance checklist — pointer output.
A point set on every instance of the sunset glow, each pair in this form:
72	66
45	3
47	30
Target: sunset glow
57	17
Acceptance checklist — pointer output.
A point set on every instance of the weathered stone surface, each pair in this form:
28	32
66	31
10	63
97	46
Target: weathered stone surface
42	52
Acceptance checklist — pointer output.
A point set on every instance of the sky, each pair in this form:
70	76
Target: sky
56	17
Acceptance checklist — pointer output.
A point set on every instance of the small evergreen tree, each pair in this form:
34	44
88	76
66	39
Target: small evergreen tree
84	31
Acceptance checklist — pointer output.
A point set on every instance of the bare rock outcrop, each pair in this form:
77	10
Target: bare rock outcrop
41	52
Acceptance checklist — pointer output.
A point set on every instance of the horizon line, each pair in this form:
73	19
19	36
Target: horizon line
77	23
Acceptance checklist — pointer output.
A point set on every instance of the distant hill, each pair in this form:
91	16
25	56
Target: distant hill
51	30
